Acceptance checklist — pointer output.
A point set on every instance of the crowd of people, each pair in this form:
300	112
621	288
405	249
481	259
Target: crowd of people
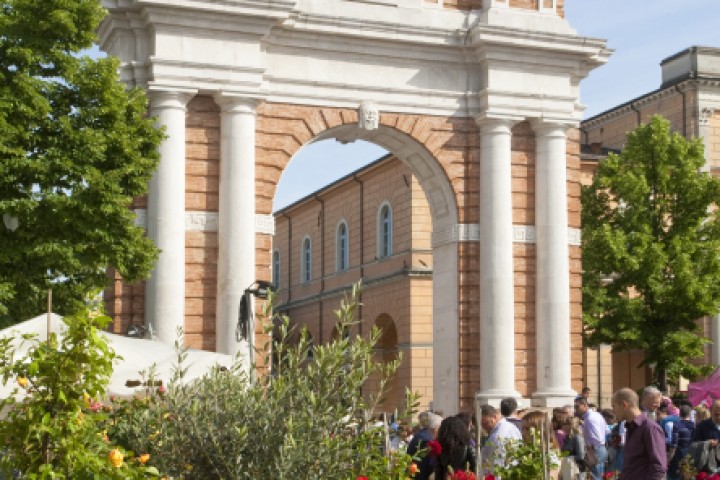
641	437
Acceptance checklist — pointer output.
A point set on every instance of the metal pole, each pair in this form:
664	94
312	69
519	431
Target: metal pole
49	314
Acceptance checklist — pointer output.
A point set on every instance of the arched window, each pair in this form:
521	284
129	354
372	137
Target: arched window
341	247
276	269
385	227
306	256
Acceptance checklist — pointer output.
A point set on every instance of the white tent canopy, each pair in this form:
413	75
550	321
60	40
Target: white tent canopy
137	355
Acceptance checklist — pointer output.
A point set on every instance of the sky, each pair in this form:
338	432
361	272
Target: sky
642	33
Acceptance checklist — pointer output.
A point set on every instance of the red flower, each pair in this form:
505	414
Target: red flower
607	475
362	477
435	448
489	476
702	476
463	475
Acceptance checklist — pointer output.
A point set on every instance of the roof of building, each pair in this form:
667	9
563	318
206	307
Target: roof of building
693	63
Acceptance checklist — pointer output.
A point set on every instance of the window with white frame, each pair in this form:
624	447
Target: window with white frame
341	247
306	256
385	227
276	269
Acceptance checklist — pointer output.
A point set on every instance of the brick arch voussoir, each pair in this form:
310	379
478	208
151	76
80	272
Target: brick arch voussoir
282	130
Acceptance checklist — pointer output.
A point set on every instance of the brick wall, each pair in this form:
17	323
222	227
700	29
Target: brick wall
454	142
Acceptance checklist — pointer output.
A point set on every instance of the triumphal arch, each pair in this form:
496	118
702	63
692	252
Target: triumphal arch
478	97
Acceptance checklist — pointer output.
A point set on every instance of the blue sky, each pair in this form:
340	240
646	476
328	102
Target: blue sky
641	32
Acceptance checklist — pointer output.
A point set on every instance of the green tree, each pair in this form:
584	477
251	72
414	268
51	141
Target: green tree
75	148
651	250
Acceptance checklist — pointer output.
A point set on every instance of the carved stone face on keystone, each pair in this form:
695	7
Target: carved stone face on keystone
368	116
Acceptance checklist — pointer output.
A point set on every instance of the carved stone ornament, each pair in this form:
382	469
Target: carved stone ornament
705	114
368	116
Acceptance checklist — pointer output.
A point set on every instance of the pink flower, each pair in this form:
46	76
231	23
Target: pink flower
161	389
702	476
434	448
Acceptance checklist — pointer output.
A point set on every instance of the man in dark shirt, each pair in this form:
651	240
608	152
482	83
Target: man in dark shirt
709	429
644	455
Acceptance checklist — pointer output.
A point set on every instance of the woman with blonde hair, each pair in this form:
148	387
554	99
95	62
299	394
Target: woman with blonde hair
573	466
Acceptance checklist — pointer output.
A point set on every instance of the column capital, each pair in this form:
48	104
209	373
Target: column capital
170	99
551	127
236	103
496	122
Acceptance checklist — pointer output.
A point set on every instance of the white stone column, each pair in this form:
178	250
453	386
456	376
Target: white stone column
236	219
165	289
497	318
552	284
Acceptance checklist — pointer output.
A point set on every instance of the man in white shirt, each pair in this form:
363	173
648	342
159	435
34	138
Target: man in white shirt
594	431
499	431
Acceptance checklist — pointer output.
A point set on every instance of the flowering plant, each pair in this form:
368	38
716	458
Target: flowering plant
56	428
462	475
611	475
707	476
434	448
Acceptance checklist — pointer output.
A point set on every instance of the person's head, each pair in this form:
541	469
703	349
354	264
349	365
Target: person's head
651	399
569	410
558	418
715	412
585	392
609	416
581	406
537	423
572	426
423	419
489	417
508	406
467	419
685	411
661	412
434	421
701	413
625	404
453	435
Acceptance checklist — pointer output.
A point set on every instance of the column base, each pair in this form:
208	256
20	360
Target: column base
554	398
493	397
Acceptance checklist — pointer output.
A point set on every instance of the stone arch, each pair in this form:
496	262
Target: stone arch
435	149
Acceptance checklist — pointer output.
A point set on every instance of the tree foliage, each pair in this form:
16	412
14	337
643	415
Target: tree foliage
75	148
651	249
